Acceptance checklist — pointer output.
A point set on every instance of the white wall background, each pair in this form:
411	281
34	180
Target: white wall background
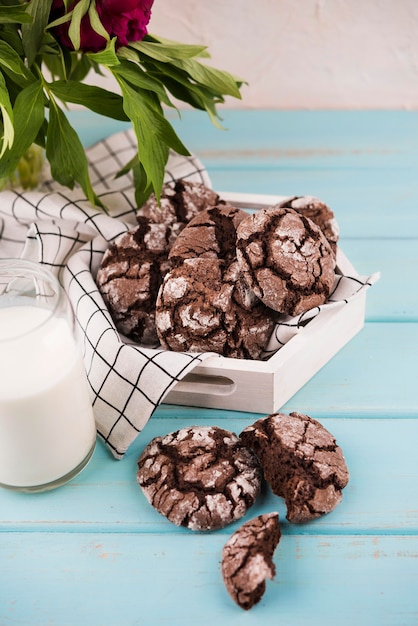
305	53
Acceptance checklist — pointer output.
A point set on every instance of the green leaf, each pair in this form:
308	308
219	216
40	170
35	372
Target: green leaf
135	75
94	98
66	17
40	138
95	22
66	155
128	166
180	85
180	50
79	66
13	65
168	51
153	132
143	189
147	108
7	115
79	11
56	64
67	64
29	112
197	97
129	54
10	33
193	75
217	80
15	14
107	56
32	34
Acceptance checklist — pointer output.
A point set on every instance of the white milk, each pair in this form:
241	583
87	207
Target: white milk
47	426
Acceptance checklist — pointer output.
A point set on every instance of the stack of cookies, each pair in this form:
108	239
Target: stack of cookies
200	275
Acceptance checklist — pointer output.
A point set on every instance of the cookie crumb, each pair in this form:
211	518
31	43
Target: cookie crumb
247	559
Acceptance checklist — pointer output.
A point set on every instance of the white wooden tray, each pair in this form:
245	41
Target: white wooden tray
264	386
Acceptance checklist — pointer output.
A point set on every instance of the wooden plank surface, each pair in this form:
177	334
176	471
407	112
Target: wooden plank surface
362	163
175	579
395	297
95	553
383	498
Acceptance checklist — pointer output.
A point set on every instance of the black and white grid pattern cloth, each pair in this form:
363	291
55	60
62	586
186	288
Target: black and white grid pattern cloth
60	228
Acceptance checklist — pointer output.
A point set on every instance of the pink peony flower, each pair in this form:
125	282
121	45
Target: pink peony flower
124	19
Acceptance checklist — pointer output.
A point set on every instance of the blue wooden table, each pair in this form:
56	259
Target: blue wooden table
94	553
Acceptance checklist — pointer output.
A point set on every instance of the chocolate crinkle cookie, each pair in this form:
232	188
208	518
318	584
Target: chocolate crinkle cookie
301	462
130	275
204	306
211	234
318	212
199	477
285	259
247	559
179	203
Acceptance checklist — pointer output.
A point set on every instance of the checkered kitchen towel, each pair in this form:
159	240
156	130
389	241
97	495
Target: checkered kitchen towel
61	229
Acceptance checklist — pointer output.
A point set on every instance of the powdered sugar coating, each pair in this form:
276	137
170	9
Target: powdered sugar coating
319	212
216	313
285	259
210	234
130	276
179	203
301	461
199	477
247	559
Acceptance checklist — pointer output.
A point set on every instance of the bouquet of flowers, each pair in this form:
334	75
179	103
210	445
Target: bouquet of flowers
47	49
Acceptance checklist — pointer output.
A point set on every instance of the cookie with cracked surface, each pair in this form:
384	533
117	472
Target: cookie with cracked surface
204	306
247	559
179	202
211	234
130	275
318	212
201	477
285	259
301	462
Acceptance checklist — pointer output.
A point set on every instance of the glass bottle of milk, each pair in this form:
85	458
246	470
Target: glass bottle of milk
47	427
